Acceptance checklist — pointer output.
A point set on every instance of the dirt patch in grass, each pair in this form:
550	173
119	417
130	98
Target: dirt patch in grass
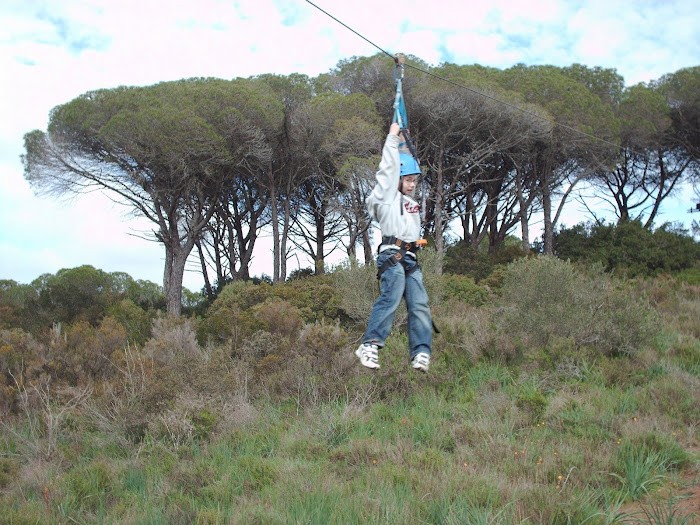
690	494
686	494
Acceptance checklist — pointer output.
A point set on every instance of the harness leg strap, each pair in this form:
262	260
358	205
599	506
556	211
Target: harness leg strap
384	267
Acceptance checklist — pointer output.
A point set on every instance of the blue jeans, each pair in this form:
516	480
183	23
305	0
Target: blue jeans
394	286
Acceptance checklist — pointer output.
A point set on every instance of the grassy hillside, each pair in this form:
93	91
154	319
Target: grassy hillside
557	395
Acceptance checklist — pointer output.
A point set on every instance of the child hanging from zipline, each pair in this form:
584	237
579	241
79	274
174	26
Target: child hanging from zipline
392	205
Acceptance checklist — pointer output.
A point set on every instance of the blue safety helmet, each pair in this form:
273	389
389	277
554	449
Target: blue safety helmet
409	165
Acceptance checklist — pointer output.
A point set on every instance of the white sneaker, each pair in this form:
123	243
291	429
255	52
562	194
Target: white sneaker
367	352
421	361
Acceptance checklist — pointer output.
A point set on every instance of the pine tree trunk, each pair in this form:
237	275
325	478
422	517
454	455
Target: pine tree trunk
283	244
524	226
275	237
367	247
548	236
172	280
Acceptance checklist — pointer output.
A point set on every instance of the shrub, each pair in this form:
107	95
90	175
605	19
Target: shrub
431	263
463	259
463	289
76	294
315	296
194	303
314	367
145	294
495	279
260	345
91	349
225	323
544	299
179	386
463	328
358	288
628	247
279	317
134	319
243	294
20	356
300	273
192	417
172	337
243	308
19	307
82	351
476	262
323	341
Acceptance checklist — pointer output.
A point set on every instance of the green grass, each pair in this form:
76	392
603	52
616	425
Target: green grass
421	459
657	512
640	471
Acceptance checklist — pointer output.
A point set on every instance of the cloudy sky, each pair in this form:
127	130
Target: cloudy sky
55	50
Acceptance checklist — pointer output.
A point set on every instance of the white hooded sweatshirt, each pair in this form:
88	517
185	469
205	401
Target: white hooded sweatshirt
386	201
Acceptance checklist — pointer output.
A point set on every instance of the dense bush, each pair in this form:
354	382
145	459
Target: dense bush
314	296
90	350
357	288
463	328
171	338
21	358
547	308
544	300
76	294
135	320
19	307
224	323
535	394
628	247
279	317
479	263
81	294
463	289
145	294
244	307
243	294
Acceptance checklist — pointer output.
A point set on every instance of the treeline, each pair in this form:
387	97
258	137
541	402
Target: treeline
88	295
211	162
83	294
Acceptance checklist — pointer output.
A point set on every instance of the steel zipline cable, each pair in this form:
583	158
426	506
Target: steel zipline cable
472	90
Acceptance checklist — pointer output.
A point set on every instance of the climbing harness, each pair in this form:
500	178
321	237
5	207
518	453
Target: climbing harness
400	253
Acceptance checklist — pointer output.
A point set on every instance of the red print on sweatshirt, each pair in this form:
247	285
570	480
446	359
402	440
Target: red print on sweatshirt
411	208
